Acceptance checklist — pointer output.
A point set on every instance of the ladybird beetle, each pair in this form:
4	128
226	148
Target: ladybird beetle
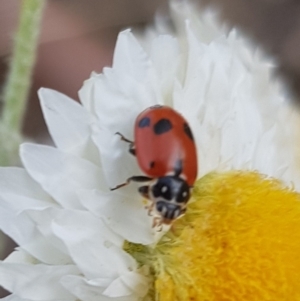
166	153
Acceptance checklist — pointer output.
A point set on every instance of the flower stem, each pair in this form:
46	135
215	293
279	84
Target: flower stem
19	79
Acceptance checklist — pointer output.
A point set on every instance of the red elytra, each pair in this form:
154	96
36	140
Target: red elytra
166	153
163	140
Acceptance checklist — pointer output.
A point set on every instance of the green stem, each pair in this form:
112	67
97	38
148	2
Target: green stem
19	78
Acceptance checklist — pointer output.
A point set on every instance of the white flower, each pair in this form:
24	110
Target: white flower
224	88
69	226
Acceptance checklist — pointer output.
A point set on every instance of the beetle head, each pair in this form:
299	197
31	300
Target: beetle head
169	195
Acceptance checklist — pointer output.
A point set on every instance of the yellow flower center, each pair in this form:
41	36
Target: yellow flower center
239	240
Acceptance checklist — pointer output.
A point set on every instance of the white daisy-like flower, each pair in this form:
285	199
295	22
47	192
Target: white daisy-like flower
59	209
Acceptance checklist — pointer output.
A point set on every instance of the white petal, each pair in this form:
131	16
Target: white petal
205	24
18	227
46	252
23	231
129	57
36	282
116	107
95	249
87	290
16	181
67	121
13	297
117	289
43	221
118	164
61	174
128	88
123	212
20	256
128	284
17	193
15	222
166	64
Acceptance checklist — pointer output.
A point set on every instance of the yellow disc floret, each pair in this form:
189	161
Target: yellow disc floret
239	240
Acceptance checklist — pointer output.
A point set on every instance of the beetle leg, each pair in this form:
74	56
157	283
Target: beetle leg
182	211
132	150
150	209
144	191
123	138
157	222
135	179
131	143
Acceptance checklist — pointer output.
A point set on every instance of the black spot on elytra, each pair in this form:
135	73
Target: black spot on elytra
188	131
162	126
152	164
144	122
